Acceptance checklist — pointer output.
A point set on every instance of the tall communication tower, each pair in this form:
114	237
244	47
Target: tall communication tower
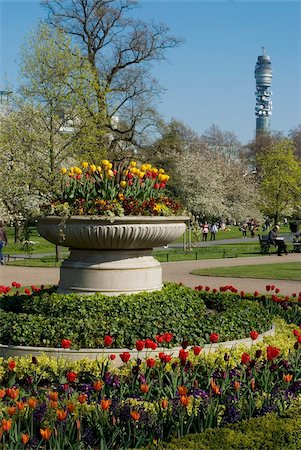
263	108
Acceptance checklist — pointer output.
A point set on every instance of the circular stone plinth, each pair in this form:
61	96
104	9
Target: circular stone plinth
7	351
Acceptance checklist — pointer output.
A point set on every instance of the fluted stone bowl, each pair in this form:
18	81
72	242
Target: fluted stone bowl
96	232
111	255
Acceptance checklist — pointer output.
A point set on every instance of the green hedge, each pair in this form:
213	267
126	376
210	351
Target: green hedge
44	318
262	433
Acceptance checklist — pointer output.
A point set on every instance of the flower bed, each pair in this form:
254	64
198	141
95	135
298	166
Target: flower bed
89	404
59	404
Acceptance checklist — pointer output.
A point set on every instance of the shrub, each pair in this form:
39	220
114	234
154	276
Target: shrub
44	318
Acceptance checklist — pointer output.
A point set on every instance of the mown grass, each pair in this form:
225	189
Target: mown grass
277	271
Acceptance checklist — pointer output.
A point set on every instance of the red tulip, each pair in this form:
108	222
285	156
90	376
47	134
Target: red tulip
245	358
108	340
214	337
66	343
71	376
272	352
150	362
125	357
254	335
11	365
256	293
167	337
139	345
197	350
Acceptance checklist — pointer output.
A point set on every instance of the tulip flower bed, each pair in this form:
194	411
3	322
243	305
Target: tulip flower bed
58	404
48	403
41	318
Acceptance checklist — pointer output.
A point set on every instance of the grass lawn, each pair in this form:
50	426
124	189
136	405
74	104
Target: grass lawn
278	271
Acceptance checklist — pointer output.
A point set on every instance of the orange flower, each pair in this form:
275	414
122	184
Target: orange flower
164	403
182	390
45	433
32	402
6	425
98	385
236	385
77	424
71	407
214	387
20	405
54	396
53	404
11	410
105	404
144	388
24	438
135	415
82	398
185	400
287	378
12	393
61	414
2	393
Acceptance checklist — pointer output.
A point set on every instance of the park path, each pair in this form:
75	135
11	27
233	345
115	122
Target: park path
174	272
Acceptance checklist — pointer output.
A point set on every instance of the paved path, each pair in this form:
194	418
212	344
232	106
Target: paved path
174	271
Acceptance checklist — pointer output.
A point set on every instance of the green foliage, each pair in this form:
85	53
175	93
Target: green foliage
261	433
280	185
44	318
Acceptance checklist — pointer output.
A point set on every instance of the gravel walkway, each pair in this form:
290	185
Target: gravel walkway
174	271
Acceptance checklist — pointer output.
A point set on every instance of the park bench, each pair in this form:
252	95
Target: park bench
265	246
296	247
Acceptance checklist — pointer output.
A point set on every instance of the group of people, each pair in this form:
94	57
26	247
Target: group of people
251	226
207	228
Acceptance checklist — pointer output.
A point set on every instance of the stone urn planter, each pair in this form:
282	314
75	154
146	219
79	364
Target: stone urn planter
111	255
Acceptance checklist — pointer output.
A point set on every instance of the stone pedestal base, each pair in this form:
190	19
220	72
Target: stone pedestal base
111	272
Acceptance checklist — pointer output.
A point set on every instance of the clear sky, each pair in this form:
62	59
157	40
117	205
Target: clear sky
210	78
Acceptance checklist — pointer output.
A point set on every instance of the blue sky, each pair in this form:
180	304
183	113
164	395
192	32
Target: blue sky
210	78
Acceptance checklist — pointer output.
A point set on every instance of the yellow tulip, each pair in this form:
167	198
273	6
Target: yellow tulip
110	173
122	184
155	170
99	169
133	164
85	165
78	170
161	171
63	170
93	168
105	162
141	174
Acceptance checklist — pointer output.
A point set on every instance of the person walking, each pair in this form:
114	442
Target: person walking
3	241
205	231
244	229
213	231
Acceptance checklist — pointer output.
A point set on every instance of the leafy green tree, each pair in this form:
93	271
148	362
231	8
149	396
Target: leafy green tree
280	180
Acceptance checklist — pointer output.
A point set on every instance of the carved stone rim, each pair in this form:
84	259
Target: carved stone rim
107	220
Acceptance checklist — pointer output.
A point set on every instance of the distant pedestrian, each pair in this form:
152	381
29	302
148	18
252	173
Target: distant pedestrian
205	231
213	231
244	229
3	241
